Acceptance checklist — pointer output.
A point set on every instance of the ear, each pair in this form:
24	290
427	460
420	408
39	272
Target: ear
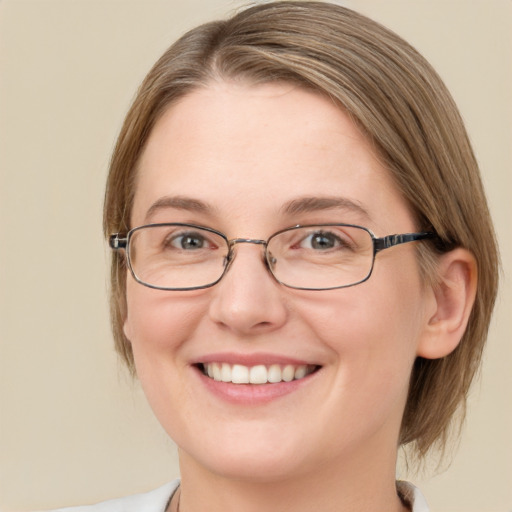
451	302
127	329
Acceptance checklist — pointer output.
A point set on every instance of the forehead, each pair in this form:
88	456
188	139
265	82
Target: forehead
248	150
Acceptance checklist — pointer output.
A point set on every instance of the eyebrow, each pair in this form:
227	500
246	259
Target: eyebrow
297	206
314	204
178	203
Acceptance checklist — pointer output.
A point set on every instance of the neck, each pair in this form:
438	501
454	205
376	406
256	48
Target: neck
368	489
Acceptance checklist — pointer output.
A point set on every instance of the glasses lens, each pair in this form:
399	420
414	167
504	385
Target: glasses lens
172	256
321	257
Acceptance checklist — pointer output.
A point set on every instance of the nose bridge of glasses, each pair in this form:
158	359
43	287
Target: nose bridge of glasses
235	241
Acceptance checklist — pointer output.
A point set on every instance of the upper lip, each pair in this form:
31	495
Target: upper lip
252	359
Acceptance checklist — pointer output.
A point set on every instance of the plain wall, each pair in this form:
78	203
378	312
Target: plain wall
73	428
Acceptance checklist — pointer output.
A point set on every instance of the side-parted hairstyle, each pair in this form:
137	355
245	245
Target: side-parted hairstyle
399	103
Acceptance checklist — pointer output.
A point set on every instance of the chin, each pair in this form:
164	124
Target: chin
256	468
257	462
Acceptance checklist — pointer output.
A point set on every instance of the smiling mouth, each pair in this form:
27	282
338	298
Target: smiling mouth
259	374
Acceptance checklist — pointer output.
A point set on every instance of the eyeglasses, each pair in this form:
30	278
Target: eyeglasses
311	257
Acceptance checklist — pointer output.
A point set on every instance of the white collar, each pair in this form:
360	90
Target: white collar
412	496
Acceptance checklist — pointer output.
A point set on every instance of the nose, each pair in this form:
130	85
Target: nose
248	300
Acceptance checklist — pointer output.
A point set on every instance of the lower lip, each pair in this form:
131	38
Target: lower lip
252	394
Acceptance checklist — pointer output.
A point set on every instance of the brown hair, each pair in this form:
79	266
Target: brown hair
404	109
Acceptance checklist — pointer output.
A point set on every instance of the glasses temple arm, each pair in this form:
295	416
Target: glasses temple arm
116	241
386	242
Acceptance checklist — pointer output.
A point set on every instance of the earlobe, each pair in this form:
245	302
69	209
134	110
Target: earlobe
453	297
126	329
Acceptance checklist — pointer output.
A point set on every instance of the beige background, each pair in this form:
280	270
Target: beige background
73	429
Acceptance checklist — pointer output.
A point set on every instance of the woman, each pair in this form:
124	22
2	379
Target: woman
292	284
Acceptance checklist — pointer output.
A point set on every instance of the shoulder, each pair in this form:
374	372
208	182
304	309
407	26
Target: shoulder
153	501
412	496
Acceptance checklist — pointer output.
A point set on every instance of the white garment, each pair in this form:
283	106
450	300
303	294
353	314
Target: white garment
157	500
412	496
153	501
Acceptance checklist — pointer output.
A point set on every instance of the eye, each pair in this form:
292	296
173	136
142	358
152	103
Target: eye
190	241
321	241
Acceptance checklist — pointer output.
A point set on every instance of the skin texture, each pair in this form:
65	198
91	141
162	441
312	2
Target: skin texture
248	151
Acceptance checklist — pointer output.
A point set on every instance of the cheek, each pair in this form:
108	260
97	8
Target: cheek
364	322
158	325
372	346
372	329
157	321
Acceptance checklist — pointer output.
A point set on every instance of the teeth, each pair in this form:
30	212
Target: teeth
216	371
225	373
300	372
239	374
288	373
259	374
274	373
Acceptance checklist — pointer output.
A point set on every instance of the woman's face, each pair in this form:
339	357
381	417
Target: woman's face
248	161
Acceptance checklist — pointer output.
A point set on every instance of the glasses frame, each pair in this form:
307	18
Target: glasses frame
121	241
